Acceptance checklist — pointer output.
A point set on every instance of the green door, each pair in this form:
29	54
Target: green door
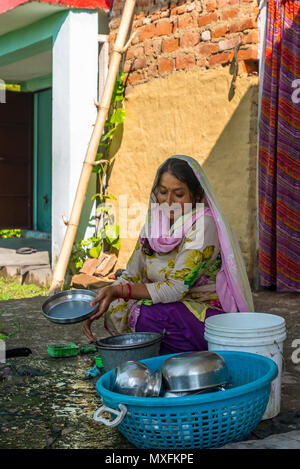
43	160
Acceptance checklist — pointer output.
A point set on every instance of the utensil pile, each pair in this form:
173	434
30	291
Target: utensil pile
185	374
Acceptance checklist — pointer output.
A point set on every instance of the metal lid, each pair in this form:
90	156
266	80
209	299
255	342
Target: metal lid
70	306
129	341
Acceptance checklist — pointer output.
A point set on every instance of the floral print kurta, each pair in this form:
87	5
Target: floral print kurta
186	274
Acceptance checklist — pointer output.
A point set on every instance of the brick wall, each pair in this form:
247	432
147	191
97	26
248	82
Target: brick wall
188	34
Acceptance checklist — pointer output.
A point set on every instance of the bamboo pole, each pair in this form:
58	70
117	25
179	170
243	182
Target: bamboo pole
103	108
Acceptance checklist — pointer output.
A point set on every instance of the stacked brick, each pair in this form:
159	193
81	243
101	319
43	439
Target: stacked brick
188	34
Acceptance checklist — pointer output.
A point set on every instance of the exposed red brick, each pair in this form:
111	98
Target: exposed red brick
201	61
135	76
165	65
208	48
249	23
219	32
138	23
152	71
189	39
229	43
169	45
222	4
188	20
155	17
129	54
248	54
179	10
221	58
165	14
139	63
147	32
211	5
163	28
152	47
207	19
139	52
184	61
251	37
228	14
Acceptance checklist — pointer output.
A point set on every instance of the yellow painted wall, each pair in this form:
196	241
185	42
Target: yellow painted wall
190	113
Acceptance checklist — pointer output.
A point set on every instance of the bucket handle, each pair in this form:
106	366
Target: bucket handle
110	423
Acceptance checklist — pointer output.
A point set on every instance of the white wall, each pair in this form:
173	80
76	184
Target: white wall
75	79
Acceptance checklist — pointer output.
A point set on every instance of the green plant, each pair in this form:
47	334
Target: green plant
4	335
107	231
11	289
10	233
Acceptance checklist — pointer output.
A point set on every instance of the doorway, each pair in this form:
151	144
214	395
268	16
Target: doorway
16	160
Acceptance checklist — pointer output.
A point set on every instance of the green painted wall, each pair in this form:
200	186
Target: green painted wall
42	160
30	40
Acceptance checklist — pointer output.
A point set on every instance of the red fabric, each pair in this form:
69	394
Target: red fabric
6	5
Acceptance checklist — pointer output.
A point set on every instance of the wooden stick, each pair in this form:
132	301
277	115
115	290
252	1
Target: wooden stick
113	69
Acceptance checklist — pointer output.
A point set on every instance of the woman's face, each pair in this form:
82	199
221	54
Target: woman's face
171	190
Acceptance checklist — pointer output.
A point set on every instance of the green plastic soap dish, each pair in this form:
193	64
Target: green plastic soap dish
67	350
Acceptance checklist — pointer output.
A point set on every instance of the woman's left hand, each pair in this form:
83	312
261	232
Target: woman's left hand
105	297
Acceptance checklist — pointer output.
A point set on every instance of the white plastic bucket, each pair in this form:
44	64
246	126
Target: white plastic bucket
259	333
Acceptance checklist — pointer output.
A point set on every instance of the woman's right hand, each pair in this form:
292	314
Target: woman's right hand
105	297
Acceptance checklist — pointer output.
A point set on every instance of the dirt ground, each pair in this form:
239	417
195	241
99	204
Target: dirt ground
47	402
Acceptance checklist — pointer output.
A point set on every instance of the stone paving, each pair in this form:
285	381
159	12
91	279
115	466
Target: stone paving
47	402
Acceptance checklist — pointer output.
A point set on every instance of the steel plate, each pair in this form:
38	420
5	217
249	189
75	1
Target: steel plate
69	306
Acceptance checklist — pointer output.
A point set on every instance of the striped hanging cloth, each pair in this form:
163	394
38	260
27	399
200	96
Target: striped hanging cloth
279	150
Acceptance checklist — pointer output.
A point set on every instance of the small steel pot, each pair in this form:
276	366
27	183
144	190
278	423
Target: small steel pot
135	379
194	371
133	346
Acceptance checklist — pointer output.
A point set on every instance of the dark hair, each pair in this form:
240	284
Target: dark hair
182	171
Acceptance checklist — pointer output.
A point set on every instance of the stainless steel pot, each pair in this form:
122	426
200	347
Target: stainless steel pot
194	370
135	379
134	346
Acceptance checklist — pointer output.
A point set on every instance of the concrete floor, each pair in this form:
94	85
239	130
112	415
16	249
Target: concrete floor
62	411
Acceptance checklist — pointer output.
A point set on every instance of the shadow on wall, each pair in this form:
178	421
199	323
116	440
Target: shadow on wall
231	167
229	152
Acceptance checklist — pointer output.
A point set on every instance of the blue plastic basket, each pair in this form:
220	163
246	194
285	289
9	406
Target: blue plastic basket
207	420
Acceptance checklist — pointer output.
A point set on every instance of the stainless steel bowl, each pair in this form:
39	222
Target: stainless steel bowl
194	370
135	379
